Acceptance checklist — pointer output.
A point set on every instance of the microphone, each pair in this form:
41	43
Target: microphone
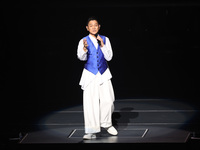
99	42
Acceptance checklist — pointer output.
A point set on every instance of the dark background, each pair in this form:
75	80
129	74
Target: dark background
155	46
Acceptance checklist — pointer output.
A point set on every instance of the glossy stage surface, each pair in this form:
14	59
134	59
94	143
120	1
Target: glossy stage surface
137	121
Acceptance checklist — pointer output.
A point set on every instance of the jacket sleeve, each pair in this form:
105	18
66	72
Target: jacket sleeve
107	50
81	54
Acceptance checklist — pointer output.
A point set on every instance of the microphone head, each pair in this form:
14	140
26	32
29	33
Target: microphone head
96	35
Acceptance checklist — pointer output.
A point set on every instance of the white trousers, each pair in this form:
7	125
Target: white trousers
98	105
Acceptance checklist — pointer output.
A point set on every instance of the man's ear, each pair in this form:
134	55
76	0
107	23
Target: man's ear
99	26
87	28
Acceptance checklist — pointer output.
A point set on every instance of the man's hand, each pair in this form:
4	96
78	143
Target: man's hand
85	45
101	40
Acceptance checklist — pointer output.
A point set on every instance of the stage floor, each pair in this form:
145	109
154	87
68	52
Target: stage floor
137	121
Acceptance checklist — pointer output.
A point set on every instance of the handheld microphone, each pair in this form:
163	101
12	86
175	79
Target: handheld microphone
99	42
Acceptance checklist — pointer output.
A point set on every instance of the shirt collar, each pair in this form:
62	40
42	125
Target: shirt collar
92	38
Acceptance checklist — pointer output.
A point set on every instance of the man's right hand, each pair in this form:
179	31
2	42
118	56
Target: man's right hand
85	45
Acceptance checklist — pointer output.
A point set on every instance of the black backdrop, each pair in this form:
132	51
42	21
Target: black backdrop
155	46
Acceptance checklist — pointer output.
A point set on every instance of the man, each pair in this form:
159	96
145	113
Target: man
98	94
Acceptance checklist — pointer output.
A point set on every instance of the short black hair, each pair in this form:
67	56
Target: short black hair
92	18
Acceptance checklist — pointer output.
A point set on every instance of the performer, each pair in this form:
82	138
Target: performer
98	93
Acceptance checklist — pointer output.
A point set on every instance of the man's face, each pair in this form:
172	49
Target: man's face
93	27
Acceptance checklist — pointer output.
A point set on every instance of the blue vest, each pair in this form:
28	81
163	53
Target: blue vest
95	58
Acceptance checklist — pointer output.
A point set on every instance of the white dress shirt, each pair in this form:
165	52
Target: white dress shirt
87	76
